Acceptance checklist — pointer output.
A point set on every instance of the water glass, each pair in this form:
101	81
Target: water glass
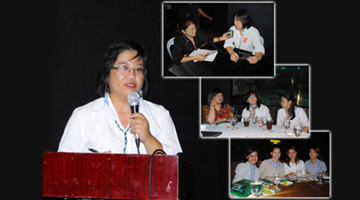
277	182
256	188
297	130
319	177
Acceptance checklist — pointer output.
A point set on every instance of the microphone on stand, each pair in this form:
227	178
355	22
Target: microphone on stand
134	100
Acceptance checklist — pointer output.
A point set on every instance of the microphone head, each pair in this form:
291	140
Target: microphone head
133	99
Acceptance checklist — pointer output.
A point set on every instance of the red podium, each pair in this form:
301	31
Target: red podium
111	176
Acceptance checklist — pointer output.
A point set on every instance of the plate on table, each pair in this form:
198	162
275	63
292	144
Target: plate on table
285	182
307	179
269	193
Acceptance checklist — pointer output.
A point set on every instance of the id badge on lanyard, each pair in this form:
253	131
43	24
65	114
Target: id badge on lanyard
243	39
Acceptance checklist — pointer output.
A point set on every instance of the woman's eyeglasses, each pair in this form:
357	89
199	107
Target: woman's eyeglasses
125	70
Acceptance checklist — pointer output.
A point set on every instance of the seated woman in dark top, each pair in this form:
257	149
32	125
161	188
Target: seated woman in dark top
189	40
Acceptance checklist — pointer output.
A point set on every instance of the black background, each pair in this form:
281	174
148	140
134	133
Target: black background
78	32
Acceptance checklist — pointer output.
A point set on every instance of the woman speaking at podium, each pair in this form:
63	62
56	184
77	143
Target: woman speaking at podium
107	123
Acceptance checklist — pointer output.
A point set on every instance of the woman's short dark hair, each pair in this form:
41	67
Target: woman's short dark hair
109	59
318	151
247	95
184	23
250	151
212	93
290	97
245	18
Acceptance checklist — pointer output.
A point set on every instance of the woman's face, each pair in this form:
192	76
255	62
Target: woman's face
253	157
313	154
285	103
292	154
122	83
238	24
252	99
190	30
276	154
219	97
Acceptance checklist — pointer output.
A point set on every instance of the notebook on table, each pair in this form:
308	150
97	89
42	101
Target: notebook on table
210	133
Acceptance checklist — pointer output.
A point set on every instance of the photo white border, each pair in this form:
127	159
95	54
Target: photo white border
330	172
276	65
211	2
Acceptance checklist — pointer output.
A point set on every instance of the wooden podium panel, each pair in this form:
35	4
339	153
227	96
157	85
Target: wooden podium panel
109	176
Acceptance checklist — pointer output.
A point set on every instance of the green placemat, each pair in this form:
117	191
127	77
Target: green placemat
241	188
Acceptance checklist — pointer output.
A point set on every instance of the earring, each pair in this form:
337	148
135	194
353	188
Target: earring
141	94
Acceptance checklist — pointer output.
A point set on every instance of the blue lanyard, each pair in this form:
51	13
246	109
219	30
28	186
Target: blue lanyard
125	136
106	99
242	37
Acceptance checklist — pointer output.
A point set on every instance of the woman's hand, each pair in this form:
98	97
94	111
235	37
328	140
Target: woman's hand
213	101
292	174
140	125
234	56
225	36
256	58
200	57
253	59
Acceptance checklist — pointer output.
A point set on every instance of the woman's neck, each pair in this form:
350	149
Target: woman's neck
313	160
276	160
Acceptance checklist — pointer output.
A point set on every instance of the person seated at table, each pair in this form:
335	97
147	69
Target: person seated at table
253	108
217	111
188	40
292	163
290	111
271	166
315	163
245	37
248	170
107	123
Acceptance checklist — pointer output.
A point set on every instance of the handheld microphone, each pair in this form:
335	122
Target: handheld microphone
134	100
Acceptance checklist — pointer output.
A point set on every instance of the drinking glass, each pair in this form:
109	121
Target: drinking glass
254	120
286	125
263	122
277	182
319	177
233	122
269	123
297	130
246	122
256	188
298	174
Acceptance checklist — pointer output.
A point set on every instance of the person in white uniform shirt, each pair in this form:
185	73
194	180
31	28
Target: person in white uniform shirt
245	37
290	111
293	166
253	108
107	124
248	170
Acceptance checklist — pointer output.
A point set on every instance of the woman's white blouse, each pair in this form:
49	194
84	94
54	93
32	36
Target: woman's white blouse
249	40
262	112
293	167
300	118
93	126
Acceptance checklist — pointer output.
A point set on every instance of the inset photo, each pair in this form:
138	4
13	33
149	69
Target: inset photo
217	39
281	168
258	108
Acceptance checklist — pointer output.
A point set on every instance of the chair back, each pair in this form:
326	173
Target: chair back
169	44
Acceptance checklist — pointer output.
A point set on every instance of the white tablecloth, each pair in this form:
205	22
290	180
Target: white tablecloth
251	131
